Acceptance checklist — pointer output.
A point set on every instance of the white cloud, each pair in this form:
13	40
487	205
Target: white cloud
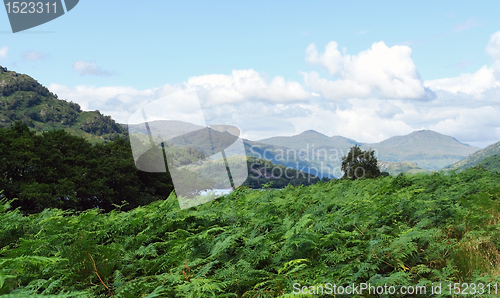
89	68
247	84
493	47
381	71
388	110
476	125
34	56
474	84
3	52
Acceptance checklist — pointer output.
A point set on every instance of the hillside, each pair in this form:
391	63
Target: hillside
491	163
476	157
23	99
395	168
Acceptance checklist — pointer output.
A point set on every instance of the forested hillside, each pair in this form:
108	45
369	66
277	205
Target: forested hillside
23	99
405	230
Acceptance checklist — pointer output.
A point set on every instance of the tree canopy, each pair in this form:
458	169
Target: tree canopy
57	170
360	164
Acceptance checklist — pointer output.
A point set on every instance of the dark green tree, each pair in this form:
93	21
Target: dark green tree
360	164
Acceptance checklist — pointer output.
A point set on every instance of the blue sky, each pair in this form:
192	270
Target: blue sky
114	56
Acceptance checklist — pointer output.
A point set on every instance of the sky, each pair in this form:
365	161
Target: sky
366	70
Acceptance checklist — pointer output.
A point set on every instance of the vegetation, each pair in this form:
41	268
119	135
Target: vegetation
79	220
58	170
491	163
404	230
359	164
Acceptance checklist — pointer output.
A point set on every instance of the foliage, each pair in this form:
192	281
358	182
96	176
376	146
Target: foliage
404	230
57	170
358	164
491	163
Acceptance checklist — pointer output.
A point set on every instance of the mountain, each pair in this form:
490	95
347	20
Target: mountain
476	157
22	98
313	138
428	149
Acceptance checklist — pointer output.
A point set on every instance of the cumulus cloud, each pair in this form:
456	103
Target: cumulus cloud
476	125
381	71
89	68
469	83
216	92
493	47
247	84
3	52
474	84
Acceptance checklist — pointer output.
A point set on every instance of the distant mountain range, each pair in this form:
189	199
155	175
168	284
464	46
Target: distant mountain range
23	99
427	149
321	155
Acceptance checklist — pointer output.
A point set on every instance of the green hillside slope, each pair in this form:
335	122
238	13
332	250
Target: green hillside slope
491	163
475	158
23	99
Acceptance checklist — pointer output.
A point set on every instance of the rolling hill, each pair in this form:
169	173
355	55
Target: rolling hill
427	149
